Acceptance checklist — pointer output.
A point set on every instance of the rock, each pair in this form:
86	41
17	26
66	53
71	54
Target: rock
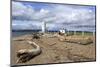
35	36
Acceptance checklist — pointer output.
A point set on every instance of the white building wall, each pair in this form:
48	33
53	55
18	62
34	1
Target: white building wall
43	27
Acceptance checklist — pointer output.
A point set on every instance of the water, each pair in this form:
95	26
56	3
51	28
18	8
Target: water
21	32
16	34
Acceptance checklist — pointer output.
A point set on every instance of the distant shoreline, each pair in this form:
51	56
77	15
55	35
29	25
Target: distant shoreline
47	30
16	33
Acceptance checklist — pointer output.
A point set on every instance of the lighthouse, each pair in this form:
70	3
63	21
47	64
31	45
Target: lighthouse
43	27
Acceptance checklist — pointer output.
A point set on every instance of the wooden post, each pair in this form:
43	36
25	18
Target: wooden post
93	33
75	32
68	32
82	33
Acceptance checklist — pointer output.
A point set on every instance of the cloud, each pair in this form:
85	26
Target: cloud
26	12
23	25
73	13
20	10
55	15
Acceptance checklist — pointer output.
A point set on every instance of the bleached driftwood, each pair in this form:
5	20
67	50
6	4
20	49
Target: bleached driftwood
26	54
76	39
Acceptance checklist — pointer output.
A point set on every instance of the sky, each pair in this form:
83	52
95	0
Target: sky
29	15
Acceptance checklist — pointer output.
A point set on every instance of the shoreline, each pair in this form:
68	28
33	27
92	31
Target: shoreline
29	32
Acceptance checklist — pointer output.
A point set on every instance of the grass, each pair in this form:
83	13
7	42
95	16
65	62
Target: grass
79	33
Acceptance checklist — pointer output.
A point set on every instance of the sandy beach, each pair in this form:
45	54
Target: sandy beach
53	50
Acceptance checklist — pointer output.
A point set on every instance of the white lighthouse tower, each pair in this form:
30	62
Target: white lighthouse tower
43	27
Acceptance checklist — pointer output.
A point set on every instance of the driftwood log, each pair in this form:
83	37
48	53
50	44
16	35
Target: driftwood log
76	39
35	36
25	55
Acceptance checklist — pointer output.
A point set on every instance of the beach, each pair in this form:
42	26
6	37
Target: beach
54	50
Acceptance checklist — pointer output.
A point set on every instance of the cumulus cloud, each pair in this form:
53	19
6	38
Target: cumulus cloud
55	15
20	11
25	25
